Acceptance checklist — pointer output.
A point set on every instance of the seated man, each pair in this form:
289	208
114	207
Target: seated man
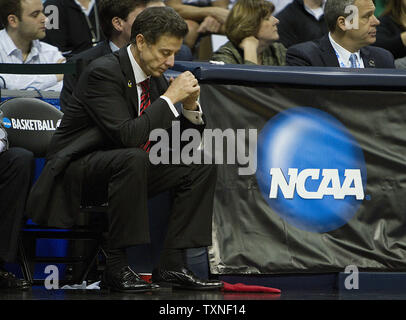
16	168
24	24
348	44
100	152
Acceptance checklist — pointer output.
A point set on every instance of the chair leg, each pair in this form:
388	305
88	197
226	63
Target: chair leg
24	262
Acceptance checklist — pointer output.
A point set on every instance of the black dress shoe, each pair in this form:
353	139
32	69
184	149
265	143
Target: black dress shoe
126	280
9	281
183	279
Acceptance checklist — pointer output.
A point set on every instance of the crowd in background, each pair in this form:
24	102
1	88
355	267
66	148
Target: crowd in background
251	32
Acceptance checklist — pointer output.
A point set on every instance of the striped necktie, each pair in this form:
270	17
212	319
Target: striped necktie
145	102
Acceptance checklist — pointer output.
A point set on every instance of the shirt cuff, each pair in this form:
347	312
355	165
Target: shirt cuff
171	106
194	117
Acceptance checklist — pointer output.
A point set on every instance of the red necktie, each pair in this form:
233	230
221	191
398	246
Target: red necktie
145	102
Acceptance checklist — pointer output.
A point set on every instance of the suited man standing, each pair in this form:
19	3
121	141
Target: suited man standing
348	44
99	154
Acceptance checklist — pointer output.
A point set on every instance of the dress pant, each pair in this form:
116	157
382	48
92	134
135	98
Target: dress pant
125	178
16	171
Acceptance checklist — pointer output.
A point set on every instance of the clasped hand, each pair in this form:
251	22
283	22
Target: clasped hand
185	88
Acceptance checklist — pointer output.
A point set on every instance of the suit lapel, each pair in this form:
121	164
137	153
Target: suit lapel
369	62
329	56
131	85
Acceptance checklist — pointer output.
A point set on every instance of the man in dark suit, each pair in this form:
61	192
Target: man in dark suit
99	154
348	45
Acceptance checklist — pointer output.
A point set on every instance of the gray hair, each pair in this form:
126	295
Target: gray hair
334	9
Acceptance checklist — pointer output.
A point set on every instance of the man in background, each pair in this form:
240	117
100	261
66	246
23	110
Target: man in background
24	26
348	44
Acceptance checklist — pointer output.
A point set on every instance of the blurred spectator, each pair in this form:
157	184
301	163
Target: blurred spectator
201	16
24	25
300	21
346	46
77	28
116	19
391	33
252	31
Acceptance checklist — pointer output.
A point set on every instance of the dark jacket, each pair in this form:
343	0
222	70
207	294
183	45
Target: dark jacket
82	60
102	115
320	53
296	25
388	37
73	35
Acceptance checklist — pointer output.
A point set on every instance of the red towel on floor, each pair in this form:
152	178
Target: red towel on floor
240	287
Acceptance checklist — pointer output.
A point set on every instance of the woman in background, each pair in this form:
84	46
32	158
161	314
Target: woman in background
252	31
391	33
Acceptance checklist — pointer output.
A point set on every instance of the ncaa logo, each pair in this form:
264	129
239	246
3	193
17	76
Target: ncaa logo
7	123
311	170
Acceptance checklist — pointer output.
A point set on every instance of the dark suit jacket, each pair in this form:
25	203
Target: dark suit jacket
82	60
102	115
320	53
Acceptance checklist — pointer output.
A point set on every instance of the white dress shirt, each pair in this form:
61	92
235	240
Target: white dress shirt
113	47
193	116
343	55
41	52
87	10
316	13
